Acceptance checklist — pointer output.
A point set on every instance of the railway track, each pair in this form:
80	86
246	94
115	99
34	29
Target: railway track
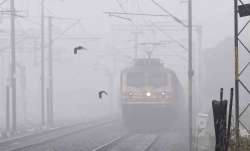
131	142
19	143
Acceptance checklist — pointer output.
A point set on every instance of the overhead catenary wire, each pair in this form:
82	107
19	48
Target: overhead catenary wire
3	2
136	14
170	37
56	38
170	14
124	11
159	28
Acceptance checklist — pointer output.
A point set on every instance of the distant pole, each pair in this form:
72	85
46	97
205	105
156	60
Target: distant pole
199	63
23	91
190	75
50	68
136	45
2	76
42	66
13	63
113	84
236	51
7	109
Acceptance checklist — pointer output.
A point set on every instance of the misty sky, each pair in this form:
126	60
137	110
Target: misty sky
216	17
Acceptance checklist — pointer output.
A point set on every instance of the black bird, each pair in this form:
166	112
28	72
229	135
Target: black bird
100	94
79	48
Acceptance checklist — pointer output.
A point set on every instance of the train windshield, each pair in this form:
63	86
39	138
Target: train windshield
136	79
157	79
151	79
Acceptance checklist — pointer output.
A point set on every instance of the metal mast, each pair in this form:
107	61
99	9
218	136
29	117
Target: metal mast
13	63
8	109
42	66
136	45
190	75
50	76
199	65
243	10
236	51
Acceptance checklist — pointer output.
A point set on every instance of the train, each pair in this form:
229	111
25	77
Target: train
151	96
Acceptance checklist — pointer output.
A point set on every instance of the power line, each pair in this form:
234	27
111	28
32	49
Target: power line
170	14
170	37
3	2
121	6
123	9
137	14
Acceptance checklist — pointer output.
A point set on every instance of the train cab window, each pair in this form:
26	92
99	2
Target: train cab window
136	79
142	79
157	79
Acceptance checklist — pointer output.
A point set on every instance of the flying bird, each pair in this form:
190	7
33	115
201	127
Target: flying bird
100	94
79	48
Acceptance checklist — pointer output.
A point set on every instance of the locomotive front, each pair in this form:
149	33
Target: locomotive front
148	94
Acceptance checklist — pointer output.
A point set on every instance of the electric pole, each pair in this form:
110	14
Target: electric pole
42	66
136	45
8	128
50	76
2	75
237	77
190	74
22	70
199	64
13	64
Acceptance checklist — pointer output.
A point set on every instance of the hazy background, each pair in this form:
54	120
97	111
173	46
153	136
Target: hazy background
110	44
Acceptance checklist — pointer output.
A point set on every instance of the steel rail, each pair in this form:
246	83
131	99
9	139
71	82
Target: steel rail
111	143
118	140
49	135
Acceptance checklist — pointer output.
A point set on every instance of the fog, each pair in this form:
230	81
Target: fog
112	34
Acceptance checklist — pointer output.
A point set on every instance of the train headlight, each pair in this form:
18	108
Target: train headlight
163	93
130	94
148	94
